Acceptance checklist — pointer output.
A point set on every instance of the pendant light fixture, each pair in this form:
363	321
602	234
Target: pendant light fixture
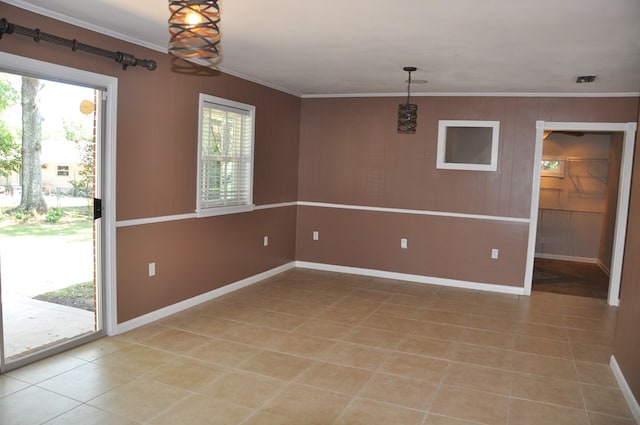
193	26
408	112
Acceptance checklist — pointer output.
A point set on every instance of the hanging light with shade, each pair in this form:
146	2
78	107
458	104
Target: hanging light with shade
193	26
408	112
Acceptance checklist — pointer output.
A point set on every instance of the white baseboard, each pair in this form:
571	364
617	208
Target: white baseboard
604	268
626	390
413	278
191	302
567	258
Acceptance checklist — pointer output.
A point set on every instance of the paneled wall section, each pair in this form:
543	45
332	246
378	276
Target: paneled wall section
351	154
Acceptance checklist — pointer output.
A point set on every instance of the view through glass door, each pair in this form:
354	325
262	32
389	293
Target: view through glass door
49	217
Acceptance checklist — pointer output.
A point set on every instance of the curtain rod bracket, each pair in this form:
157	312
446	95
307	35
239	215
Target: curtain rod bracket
125	59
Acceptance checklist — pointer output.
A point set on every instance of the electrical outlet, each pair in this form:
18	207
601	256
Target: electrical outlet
316	235
403	243
265	241
152	269
494	253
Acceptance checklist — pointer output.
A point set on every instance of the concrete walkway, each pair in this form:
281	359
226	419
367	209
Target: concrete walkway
31	324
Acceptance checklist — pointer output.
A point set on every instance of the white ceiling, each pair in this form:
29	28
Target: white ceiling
347	47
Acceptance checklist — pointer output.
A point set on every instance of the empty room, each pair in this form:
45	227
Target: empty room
331	213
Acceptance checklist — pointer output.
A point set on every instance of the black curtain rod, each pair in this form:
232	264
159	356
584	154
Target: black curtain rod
126	59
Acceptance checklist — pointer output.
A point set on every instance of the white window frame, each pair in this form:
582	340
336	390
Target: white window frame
206	208
443	125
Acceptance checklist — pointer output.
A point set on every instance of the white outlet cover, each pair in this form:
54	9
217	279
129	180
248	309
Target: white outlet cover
152	269
266	241
316	235
403	243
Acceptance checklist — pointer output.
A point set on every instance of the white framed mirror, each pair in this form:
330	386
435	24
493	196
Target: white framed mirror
468	145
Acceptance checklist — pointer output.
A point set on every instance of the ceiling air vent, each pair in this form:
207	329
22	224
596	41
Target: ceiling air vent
585	79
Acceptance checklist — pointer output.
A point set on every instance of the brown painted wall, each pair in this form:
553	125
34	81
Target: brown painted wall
350	153
156	172
198	255
443	247
627	345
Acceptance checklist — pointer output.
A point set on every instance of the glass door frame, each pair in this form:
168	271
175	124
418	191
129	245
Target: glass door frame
105	184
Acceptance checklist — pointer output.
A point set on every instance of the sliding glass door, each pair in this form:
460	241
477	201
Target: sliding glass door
50	216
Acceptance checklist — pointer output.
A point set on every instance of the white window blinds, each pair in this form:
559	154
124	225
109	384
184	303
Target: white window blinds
225	157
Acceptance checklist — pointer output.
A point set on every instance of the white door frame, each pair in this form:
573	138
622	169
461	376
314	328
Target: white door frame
22	65
624	190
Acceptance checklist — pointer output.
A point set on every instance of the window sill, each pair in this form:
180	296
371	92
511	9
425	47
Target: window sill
214	211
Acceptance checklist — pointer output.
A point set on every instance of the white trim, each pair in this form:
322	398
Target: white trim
192	302
588	126
188	216
467	94
624	193
624	190
109	208
61	73
625	389
490	287
533	214
262	82
160	219
415	212
215	211
153	220
278	205
567	258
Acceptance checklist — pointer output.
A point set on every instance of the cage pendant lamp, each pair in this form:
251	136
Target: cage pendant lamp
408	112
193	26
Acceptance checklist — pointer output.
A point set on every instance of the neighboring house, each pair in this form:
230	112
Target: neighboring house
61	162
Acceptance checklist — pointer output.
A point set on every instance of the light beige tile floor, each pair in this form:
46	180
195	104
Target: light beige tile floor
309	347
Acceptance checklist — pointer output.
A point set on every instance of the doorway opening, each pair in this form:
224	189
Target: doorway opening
580	173
54	285
580	198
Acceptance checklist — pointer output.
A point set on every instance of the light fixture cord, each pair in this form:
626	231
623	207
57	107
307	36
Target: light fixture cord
409	89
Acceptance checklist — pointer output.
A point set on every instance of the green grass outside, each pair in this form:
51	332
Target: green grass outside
80	295
76	225
78	228
79	290
75	222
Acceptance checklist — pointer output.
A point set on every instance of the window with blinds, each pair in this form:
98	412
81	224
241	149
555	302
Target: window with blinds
225	157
